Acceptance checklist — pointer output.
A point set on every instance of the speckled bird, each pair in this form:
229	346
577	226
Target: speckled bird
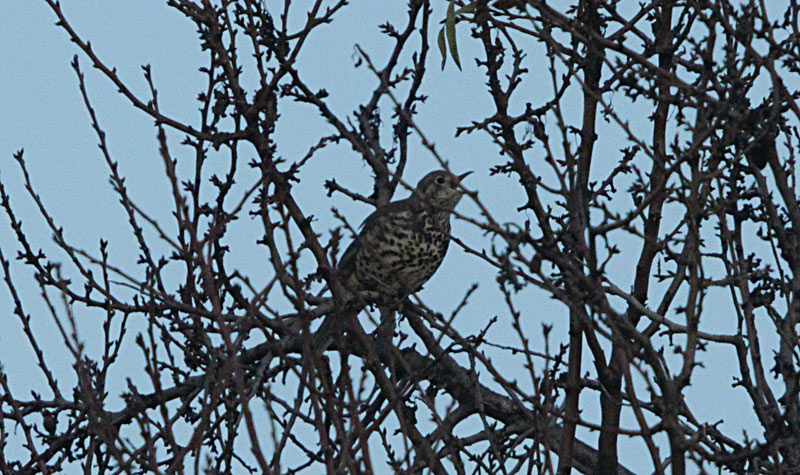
401	245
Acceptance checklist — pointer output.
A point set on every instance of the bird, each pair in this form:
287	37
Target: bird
762	151
761	128
756	131
401	245
397	250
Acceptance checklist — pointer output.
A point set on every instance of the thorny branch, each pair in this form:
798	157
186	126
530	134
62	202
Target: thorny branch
694	211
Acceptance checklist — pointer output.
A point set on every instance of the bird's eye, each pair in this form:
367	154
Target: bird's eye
440	180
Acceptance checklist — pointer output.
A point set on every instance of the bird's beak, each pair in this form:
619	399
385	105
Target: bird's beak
462	176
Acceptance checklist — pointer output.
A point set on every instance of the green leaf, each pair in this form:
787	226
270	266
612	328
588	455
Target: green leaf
442	47
468	8
450	31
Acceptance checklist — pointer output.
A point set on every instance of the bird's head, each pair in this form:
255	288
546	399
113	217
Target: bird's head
440	189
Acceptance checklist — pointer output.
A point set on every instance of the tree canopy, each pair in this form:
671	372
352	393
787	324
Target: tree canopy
623	261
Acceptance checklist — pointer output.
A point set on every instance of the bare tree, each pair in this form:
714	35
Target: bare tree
704	187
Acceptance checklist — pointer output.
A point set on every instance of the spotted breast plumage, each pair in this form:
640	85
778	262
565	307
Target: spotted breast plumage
402	244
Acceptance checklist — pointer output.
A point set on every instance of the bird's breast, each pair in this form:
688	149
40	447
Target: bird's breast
403	251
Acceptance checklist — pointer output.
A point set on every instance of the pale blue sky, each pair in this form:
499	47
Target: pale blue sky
43	113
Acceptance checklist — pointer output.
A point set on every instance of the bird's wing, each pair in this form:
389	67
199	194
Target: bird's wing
347	264
390	208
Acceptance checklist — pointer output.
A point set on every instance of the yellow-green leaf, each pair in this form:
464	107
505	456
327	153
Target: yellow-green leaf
442	47
468	8
450	32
